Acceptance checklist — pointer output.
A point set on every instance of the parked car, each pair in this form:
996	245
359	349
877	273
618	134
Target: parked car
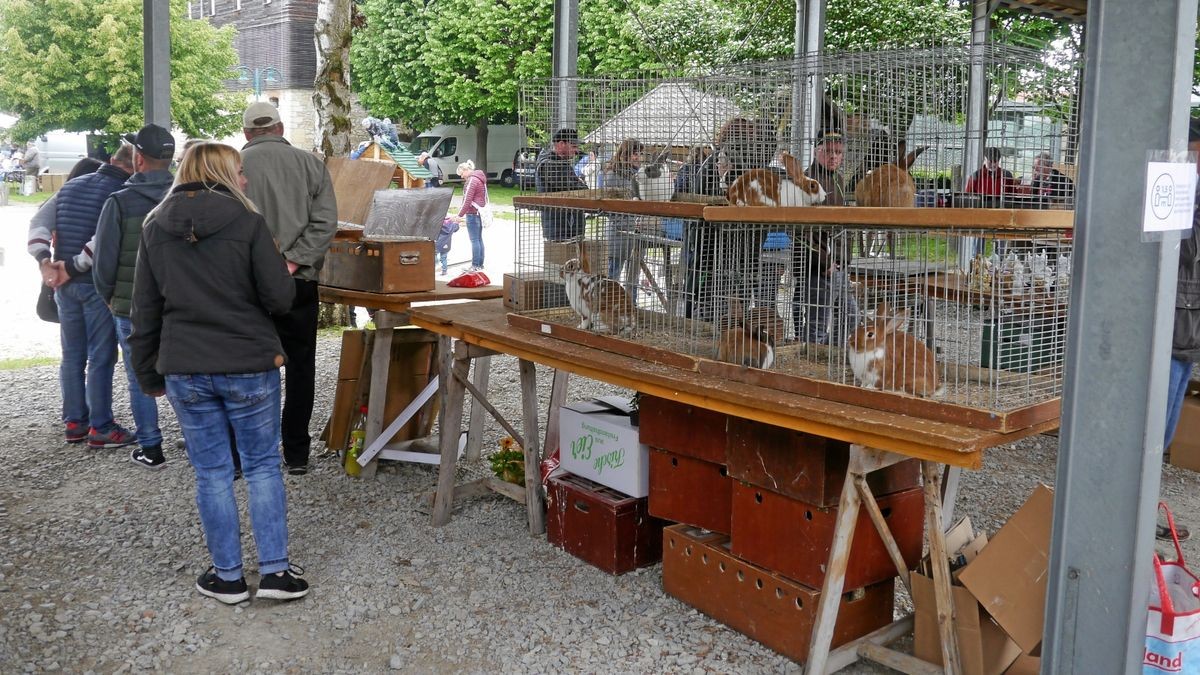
523	164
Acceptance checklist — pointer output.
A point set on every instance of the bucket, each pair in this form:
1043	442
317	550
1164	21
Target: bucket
29	185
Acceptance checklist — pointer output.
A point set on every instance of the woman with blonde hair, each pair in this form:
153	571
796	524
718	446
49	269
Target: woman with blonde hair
208	278
475	194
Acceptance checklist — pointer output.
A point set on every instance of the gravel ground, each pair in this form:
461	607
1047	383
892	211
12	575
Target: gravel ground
98	560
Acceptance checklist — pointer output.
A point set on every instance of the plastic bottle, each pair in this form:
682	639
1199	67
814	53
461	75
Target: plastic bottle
358	436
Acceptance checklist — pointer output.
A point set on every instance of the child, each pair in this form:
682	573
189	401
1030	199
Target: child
442	243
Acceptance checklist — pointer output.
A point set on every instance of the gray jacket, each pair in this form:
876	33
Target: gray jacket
294	192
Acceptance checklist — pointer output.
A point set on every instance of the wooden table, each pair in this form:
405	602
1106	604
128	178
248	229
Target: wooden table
394	311
878	439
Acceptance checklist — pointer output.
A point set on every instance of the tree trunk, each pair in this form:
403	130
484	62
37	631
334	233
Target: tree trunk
481	142
331	95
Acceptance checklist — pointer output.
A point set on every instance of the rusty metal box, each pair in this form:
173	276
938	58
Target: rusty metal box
699	569
691	491
601	526
683	429
793	538
380	266
803	466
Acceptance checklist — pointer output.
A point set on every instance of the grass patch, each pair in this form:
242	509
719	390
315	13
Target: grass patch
21	364
36	198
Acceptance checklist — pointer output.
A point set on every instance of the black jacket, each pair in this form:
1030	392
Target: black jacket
208	277
1185	344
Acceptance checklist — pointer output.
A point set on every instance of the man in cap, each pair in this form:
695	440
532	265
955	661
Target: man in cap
554	171
293	190
113	261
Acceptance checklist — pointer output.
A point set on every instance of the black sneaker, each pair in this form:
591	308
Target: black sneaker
297	470
228	592
283	585
76	432
150	457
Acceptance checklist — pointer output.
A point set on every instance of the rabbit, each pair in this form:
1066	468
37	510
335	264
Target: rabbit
750	338
653	181
602	304
884	357
767	187
890	184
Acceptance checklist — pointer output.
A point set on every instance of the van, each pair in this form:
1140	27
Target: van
58	151
450	145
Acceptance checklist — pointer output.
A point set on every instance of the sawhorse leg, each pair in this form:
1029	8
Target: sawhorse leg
450	428
381	360
856	494
479	378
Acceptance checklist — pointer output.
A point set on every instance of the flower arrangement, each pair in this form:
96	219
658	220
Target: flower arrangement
509	462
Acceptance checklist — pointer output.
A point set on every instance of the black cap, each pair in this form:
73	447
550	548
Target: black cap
567	135
830	135
1194	130
992	152
153	141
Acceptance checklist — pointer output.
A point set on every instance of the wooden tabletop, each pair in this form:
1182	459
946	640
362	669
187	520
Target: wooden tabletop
401	302
485	324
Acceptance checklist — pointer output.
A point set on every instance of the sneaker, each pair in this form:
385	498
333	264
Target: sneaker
76	432
445	271
1163	533
150	457
116	437
228	592
282	585
297	470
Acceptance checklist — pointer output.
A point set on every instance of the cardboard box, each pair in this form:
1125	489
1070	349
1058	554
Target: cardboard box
52	182
1185	447
599	442
523	295
1025	665
354	345
556	253
1009	576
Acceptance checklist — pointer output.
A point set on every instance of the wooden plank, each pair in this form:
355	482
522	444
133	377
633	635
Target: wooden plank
835	577
533	486
608	343
558	396
479	387
481	398
634	206
401	302
381	360
895	660
513	492
884	217
450	427
881	526
354	185
936	534
848	654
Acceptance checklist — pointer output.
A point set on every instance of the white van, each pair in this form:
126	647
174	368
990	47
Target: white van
58	151
450	145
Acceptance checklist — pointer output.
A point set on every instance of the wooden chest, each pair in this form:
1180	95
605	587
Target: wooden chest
793	538
393	266
699	569
601	526
690	491
803	466
683	429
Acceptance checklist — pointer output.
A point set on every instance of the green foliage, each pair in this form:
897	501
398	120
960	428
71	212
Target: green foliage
77	66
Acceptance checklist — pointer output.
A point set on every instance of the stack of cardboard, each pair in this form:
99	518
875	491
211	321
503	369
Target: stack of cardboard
1185	448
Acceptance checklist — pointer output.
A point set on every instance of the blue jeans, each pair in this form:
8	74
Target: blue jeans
207	406
89	354
475	231
1181	373
145	408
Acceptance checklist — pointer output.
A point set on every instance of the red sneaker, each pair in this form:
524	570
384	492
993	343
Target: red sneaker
76	432
116	437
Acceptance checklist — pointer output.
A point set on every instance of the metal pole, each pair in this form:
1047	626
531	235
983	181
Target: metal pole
1118	341
156	62
972	156
565	59
798	83
814	44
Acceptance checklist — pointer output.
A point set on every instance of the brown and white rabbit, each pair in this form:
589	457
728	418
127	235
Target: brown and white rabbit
750	340
603	305
890	184
884	357
766	187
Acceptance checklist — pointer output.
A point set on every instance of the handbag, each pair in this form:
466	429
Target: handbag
47	308
486	215
470	280
1173	622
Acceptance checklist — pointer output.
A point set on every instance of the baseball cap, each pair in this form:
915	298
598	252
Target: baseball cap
260	116
567	135
829	135
153	141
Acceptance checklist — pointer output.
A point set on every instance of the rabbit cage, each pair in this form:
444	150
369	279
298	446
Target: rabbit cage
954	311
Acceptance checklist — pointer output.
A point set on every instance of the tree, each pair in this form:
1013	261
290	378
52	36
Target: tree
78	66
331	88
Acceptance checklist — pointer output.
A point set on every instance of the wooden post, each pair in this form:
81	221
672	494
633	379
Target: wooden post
450	428
533	484
835	574
881	526
381	361
479	378
941	568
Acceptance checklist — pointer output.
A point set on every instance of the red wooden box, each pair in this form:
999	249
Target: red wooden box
691	491
600	525
803	466
683	429
793	538
699	570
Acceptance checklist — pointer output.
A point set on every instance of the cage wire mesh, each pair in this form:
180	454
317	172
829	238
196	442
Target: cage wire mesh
983	310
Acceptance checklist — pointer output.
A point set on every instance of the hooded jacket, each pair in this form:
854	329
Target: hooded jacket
475	193
117	235
208	278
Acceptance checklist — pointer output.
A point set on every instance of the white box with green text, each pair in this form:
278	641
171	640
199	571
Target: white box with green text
599	443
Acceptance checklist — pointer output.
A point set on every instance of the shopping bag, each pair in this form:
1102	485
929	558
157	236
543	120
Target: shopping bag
486	215
1173	623
470	280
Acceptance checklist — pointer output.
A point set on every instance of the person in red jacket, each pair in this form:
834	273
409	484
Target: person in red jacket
991	179
475	194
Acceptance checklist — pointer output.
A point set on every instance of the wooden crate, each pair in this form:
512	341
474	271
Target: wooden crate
683	429
527	294
601	526
803	466
794	538
700	570
690	491
400	266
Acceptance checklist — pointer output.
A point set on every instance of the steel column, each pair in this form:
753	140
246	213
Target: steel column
1118	340
564	59
156	62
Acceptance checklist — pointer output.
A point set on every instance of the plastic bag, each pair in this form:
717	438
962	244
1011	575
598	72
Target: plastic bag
470	280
